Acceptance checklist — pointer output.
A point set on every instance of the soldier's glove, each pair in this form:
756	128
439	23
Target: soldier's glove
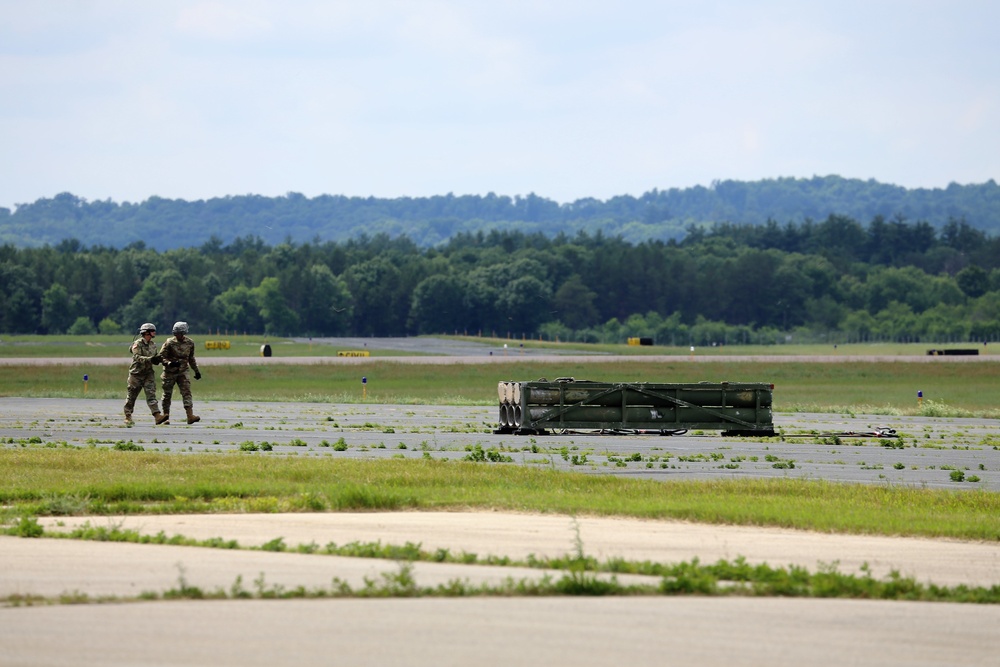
197	375
156	359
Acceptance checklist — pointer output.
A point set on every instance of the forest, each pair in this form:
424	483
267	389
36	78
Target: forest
657	215
835	280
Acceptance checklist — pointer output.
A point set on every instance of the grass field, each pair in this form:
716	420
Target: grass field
949	389
105	481
86	347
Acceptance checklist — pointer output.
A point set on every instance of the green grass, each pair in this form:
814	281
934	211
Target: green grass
107	482
949	389
100	345
723	578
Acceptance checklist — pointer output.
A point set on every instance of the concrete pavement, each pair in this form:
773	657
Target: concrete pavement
482	631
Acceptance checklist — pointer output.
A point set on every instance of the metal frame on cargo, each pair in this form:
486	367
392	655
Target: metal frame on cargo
537	407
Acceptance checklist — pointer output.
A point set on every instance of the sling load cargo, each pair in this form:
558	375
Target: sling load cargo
537	407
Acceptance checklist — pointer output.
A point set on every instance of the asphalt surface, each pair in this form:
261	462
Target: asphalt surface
432	350
493	631
504	357
927	452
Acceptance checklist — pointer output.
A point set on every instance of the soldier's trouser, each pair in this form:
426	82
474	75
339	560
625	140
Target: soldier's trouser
183	384
137	383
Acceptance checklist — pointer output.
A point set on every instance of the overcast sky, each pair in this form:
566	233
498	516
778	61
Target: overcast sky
188	99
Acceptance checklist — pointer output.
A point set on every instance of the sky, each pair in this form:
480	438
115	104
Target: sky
189	99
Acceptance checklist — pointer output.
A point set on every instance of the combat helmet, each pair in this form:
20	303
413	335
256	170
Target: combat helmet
180	327
147	327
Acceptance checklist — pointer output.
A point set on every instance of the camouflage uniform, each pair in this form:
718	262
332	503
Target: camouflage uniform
141	376
181	351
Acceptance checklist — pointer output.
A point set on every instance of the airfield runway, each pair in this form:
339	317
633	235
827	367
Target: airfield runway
437	351
491	631
470	630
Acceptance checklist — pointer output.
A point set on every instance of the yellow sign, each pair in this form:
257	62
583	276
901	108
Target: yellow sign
633	341
353	353
216	344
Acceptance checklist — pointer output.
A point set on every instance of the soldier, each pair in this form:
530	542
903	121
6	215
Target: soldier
141	375
178	355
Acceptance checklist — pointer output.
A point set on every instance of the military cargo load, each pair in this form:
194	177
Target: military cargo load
541	406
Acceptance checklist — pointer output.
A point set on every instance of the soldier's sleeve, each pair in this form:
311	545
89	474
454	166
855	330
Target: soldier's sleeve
191	360
137	354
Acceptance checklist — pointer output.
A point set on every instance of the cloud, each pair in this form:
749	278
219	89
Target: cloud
221	21
195	99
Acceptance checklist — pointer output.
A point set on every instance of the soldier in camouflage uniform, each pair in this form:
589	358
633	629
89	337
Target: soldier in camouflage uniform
141	375
178	355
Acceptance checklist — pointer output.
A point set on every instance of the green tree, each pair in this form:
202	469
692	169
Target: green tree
984	317
944	323
108	326
961	236
824	313
973	281
907	285
897	322
327	307
381	302
82	326
19	299
438	305
278	318
840	239
574	304
859	326
120	277
525	302
237	310
672	331
57	315
161	299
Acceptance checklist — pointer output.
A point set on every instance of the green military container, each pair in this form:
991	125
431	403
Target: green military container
541	406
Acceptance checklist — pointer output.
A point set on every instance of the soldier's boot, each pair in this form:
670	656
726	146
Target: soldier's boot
128	418
160	417
192	417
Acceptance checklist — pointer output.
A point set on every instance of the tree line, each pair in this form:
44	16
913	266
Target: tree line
832	280
662	215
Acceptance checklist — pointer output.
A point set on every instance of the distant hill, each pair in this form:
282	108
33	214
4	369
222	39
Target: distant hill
163	224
